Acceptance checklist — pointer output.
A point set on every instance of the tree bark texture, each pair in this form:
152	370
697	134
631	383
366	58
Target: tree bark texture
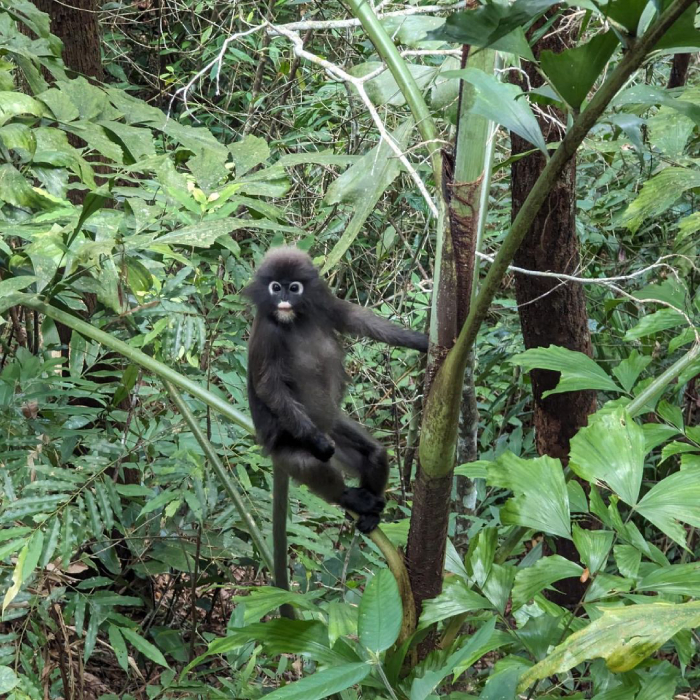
679	70
75	23
551	313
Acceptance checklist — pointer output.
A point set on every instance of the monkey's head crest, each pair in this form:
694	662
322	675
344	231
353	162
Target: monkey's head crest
285	285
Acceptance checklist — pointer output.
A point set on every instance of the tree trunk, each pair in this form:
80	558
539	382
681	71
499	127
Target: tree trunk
76	24
551	313
463	179
679	70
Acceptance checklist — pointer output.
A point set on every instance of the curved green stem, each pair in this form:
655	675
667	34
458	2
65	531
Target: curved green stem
221	473
404	79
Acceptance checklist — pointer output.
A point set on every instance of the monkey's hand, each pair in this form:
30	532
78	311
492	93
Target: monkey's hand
322	447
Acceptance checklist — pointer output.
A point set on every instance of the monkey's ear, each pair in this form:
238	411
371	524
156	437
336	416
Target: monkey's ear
249	290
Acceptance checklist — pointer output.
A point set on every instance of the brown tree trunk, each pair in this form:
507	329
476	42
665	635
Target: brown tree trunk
75	23
551	313
679	70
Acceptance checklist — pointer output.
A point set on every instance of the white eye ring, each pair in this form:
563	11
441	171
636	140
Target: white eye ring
296	287
274	287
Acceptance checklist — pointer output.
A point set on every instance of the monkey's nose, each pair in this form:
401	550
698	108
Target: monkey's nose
284	306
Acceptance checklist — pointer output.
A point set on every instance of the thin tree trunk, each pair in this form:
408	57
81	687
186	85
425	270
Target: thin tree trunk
679	70
551	313
432	494
75	23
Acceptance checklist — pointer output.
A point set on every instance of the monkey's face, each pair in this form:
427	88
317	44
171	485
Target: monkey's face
285	298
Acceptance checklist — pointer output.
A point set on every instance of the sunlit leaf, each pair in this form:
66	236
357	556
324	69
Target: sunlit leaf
380	612
578	371
502	103
611	450
622	636
674	500
322	684
541	500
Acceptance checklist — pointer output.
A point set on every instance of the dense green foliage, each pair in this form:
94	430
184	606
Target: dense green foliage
121	554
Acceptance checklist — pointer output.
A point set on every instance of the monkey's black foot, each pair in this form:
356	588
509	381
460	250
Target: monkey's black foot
366	504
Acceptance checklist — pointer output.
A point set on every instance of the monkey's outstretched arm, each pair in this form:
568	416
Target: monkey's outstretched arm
356	320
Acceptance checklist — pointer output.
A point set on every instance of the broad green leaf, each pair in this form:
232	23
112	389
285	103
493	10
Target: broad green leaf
322	684
669	130
628	559
502	103
541	500
380	613
8	679
90	100
249	152
60	104
97	139
362	185
574	71
456	598
34	548
14	589
137	143
626	12
201	235
677	579
261	601
15	190
488	23
411	30
611	450
384	89
144	646
116	639
593	546
674	500
653	323
657	433
649	95
470	653
15	284
498	585
15	103
624	637
659	683
503	679
578	371
682	33
342	621
628	371
18	137
534	579
481	553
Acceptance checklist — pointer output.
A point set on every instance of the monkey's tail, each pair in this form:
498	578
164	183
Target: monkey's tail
280	499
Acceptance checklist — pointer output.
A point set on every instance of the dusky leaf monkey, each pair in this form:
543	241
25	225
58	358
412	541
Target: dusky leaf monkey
296	381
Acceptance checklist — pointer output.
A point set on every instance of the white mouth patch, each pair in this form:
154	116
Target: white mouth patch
285	315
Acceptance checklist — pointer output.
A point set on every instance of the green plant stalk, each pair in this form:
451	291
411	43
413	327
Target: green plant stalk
134	355
440	417
426	128
634	408
221	473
